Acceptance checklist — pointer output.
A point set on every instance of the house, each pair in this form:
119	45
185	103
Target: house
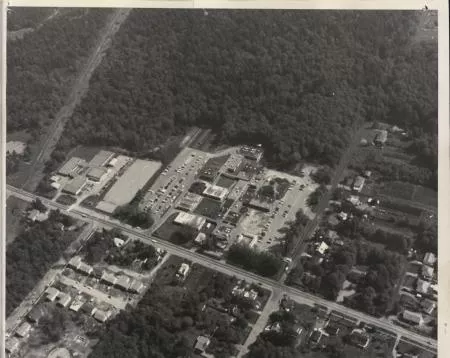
333	329
123	282
51	294
102	316
88	308
343	216
422	286
412	317
63	299
427	272
360	338
380	138
428	306
252	294
136	286
358	184
201	343
109	278
12	345
354	200
183	271
200	238
286	303
36	314
316	336
36	215
367	173
429	259
76	304
85	268
274	327
23	330
118	242
322	248
75	262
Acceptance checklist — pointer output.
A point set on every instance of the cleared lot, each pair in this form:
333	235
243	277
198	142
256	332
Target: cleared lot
124	190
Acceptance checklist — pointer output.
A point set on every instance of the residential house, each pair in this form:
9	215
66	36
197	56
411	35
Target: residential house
77	304
23	330
422	286
102	316
136	286
429	259
36	314
358	184
428	306
51	293
75	262
317	335
36	215
412	317
183	271
343	216
201	343
109	278
88	308
360	338
63	299
85	269
333	329
427	272
274	327
322	248
12	345
123	282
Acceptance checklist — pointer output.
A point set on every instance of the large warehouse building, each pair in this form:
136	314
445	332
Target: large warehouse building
75	186
193	221
101	158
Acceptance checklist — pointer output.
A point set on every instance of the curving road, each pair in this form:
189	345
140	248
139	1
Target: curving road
295	294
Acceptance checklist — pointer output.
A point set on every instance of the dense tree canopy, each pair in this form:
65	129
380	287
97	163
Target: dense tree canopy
298	86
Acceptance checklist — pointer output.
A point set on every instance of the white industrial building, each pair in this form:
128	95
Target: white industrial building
190	220
215	192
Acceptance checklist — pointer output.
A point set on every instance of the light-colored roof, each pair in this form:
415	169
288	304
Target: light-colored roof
101	315
12	344
422	286
75	261
427	271
71	165
412	316
23	329
201	343
322	247
109	277
101	158
123	281
51	293
76	304
136	286
118	242
429	259
359	181
201	237
184	268
187	219
85	268
64	299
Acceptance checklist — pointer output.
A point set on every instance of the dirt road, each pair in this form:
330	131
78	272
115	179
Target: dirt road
79	89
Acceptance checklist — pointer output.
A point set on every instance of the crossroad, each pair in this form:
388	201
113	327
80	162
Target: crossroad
294	293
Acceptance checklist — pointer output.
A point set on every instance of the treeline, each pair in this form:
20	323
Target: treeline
298	86
383	270
27	17
260	262
133	215
31	255
44	62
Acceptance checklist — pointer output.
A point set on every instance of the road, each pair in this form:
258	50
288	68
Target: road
294	293
78	90
323	203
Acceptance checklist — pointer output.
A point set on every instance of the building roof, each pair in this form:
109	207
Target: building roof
77	304
193	221
422	286
136	286
123	281
36	313
96	173
201	238
427	271
316	335
322	248
109	277
88	308
412	316
184	269
75	185
69	167
101	315
429	259
101	158
112	162
359	181
216	192
36	215
201	343
64	299
360	338
12	344
381	136
75	261
428	306
251	152
51	293
85	268
23	329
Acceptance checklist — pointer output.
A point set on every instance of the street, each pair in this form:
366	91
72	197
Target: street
295	294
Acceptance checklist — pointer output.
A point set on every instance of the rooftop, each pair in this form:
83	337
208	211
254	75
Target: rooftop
97	173
75	185
101	158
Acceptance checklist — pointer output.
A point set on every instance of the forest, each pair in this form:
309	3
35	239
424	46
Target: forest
31	255
299	86
42	65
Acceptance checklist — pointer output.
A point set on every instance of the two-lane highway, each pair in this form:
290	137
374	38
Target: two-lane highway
296	294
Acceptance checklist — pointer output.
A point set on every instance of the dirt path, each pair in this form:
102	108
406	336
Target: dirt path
79	89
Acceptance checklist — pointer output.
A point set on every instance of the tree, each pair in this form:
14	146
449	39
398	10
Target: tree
38	205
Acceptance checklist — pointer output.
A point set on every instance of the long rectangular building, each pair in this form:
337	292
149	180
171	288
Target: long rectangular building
71	167
101	158
190	220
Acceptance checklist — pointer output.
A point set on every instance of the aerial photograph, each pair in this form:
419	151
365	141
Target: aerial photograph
221	183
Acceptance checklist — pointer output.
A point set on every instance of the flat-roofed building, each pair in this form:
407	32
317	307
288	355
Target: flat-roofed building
71	167
189	202
102	316
101	158
136	286
63	299
109	278
75	186
193	221
123	282
23	330
322	248
215	192
412	317
358	184
97	174
253	153
75	262
51	294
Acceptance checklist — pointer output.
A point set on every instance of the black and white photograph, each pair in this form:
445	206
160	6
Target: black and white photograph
221	183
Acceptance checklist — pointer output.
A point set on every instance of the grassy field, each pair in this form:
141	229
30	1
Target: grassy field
208	207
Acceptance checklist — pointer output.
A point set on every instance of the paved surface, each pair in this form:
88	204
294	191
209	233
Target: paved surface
79	88
295	294
271	306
